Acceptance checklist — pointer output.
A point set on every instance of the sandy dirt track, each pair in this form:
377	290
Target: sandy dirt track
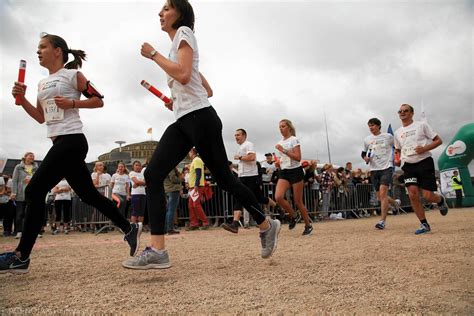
344	267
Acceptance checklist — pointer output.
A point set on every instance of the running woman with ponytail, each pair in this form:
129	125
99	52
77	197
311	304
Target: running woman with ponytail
197	124
58	103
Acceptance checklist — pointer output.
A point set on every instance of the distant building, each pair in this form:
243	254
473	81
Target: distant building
129	153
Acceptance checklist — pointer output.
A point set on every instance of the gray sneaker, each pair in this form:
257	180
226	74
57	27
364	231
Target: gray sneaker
269	239
148	259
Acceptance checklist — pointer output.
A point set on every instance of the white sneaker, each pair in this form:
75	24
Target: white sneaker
339	216
18	235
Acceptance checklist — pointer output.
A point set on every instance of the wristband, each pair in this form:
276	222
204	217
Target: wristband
285	151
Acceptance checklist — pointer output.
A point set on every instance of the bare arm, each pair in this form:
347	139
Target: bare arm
436	142
181	70
36	113
90	103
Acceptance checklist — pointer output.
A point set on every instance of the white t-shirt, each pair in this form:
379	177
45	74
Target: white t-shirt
119	182
59	121
104	180
192	96
247	168
140	177
379	149
63	195
270	169
285	161
407	138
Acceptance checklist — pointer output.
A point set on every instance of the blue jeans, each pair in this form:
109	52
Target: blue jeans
172	200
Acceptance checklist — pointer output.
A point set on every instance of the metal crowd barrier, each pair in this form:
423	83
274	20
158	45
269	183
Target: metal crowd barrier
85	215
352	200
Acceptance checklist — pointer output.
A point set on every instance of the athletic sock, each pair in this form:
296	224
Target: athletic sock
424	221
158	251
269	226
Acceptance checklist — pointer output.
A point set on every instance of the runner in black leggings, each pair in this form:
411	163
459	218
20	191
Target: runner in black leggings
57	105
197	125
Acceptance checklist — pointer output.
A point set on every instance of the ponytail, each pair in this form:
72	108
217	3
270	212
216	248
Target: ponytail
57	41
79	56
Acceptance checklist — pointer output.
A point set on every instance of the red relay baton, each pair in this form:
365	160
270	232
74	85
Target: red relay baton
155	91
21	77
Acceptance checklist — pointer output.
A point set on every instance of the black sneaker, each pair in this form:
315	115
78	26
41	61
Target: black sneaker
173	232
133	238
233	227
294	220
10	262
308	230
443	206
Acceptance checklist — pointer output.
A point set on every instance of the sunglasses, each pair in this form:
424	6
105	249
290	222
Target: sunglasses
403	111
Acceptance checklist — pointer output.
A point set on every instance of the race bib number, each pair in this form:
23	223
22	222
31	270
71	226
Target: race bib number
51	111
408	151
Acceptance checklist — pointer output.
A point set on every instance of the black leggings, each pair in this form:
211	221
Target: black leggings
64	160
63	210
202	129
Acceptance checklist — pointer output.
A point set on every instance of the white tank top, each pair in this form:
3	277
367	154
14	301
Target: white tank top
59	121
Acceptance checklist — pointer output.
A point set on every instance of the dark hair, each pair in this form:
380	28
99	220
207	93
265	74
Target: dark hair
409	106
79	55
186	13
244	132
136	161
375	121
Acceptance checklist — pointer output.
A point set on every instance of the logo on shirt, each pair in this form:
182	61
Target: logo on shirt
456	148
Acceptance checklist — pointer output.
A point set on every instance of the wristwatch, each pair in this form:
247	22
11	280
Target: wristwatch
153	53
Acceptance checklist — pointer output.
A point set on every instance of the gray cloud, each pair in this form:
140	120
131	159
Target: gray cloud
265	61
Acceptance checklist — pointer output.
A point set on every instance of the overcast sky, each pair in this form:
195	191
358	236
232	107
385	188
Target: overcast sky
265	60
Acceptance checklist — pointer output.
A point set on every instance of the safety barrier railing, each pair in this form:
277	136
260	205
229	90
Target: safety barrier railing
351	200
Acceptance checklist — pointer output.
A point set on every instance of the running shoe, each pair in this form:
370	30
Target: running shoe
308	230
269	238
443	206
133	237
173	232
10	262
380	225
424	228
148	259
232	227
294	221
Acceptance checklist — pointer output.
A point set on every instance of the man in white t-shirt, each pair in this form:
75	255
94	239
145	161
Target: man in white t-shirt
414	141
248	175
269	166
378	154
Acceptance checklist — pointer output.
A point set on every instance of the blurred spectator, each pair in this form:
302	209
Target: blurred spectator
348	172
100	178
326	185
269	166
120	184
138	193
173	187
7	208
196	192
62	206
21	177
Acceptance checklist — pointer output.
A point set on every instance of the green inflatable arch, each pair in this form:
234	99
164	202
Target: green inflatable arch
457	156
